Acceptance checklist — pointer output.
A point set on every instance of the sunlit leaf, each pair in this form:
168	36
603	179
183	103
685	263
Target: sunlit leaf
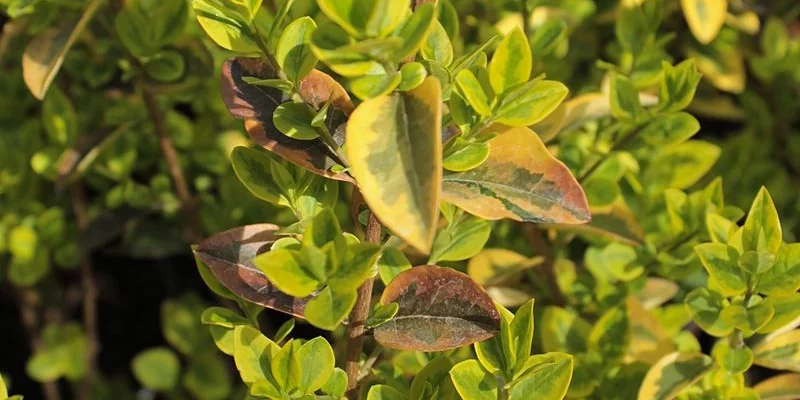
229	255
673	373
780	351
520	180
440	309
780	387
394	147
705	17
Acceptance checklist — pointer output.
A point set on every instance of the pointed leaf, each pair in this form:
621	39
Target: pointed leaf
705	18
394	147
440	309
781	387
229	255
520	180
546	376
706	307
779	352
762	228
473	382
511	63
784	277
721	263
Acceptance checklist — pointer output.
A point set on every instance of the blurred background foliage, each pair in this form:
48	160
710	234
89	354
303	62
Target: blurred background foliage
84	185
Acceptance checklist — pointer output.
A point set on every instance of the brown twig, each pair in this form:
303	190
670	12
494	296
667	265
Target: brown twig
89	297
28	303
193	232
537	241
356	327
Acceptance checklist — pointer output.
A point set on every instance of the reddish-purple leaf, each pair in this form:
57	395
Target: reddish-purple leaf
256	104
440	308
229	255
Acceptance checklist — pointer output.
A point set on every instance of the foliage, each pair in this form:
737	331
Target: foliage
473	155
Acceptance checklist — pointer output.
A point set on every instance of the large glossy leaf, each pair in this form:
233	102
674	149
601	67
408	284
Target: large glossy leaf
256	104
395	153
440	308
520	180
229	255
45	53
673	373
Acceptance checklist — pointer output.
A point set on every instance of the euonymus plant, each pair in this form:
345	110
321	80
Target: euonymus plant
436	199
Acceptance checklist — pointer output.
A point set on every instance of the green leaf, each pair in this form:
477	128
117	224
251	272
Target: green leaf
762	228
461	155
520	180
328	309
251	353
384	392
461	240
294	121
394	148
614	262
144	27
415	30
610	335
316	361
294	53
787	311
511	63
473	92
678	85
624	98
45	53
433	378
284	331
439	308
61	354
564	330
705	18
670	129
780	351
706	308
545	376
323	229
252	167
496	354
547	36
472	382
207	377
749	317
285	366
381	314
735	361
336	385
220	316
157	369
370	86
411	76
784	277
437	46
756	263
228	26
632	29
775	39
59	118
289	271
690	161
165	66
391	263
349	14
521	332
721	262
530	103
673	373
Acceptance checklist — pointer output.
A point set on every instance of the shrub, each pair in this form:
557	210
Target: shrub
421	184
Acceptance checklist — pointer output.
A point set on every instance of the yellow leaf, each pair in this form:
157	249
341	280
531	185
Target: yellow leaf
781	387
395	151
705	18
673	373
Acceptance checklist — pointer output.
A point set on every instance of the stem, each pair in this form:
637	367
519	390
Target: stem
370	361
537	241
28	303
623	143
355	328
193	232
736	338
89	297
526	17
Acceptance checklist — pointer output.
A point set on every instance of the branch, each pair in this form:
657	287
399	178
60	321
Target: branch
89	297
537	241
193	231
355	328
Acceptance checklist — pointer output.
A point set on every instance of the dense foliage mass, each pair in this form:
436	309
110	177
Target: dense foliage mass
408	188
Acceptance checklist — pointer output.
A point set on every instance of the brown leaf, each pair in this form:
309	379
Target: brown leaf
229	255
440	308
317	87
256	104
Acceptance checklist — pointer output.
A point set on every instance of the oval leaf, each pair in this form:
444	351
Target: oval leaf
229	255
395	151
780	351
781	387
520	180
705	18
439	309
673	373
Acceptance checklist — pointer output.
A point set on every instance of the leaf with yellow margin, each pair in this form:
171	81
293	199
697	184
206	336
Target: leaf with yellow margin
395	152
705	18
520	180
673	373
781	387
